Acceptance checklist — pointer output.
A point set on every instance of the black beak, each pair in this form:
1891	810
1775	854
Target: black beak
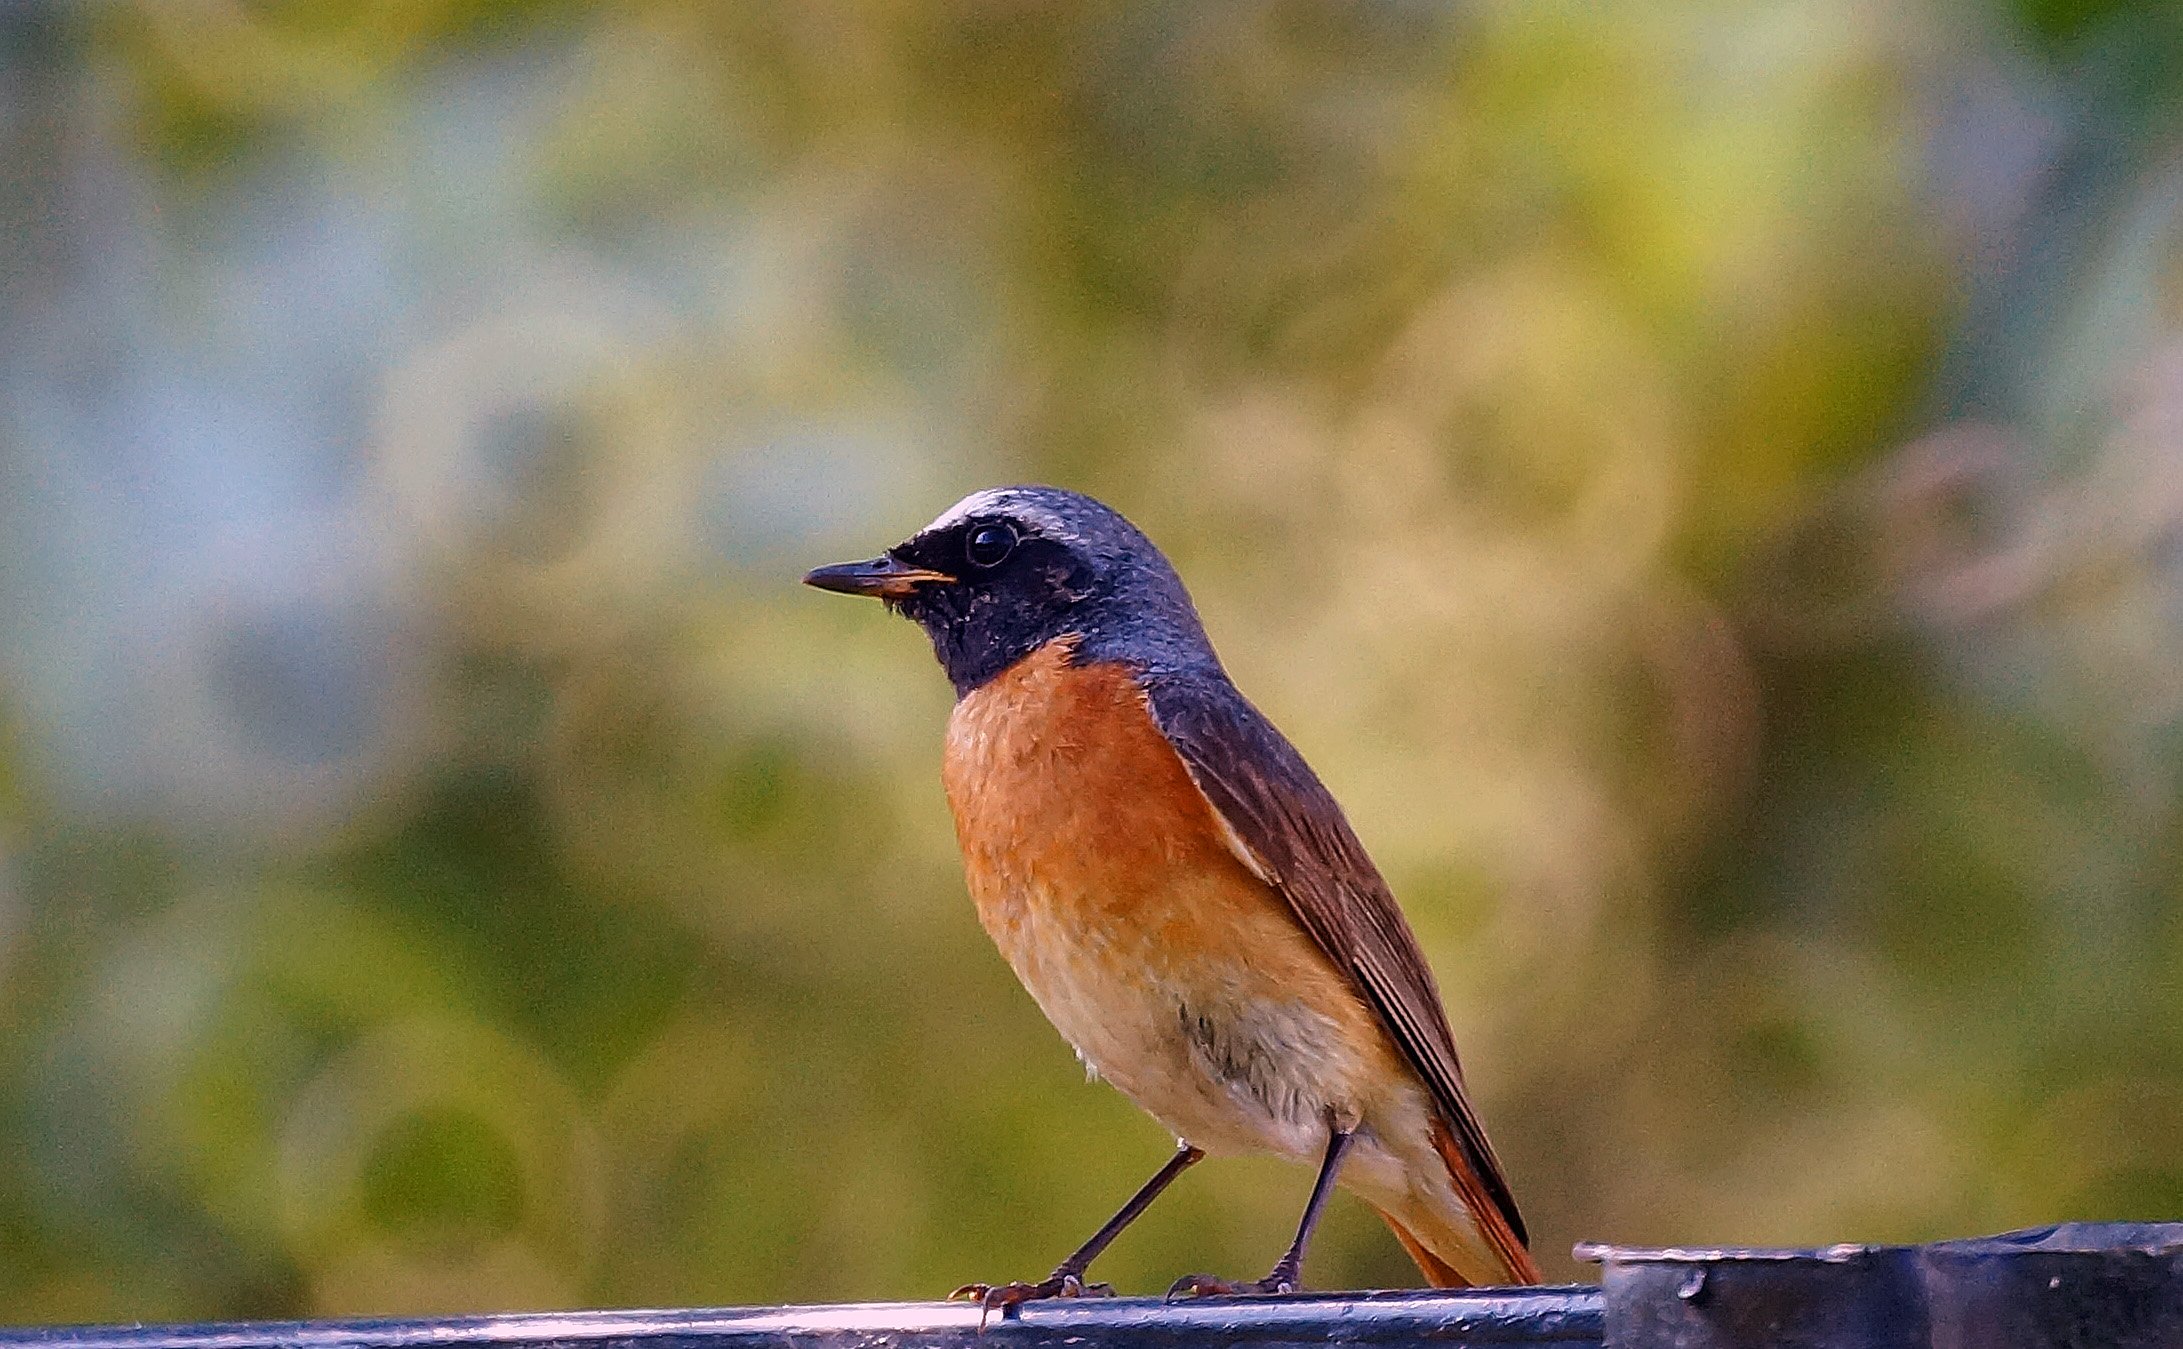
884	577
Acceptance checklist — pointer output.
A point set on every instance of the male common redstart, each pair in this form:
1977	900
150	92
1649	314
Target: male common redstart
1179	891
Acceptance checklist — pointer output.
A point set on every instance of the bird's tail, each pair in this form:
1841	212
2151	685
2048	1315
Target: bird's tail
1437	1246
1438	1272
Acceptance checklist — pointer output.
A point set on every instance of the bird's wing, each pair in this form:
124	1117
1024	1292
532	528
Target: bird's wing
1286	826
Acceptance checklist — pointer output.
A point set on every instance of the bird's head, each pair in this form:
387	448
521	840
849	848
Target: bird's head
1005	571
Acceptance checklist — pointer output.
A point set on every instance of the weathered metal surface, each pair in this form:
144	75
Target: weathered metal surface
2110	1285
1567	1318
2073	1286
2076	1286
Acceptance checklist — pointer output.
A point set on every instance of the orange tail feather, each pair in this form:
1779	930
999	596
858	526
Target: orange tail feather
1521	1268
1438	1272
1516	1264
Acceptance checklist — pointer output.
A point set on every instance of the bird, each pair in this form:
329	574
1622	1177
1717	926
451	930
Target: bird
1179	892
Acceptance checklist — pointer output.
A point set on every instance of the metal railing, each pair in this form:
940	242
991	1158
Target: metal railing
2075	1286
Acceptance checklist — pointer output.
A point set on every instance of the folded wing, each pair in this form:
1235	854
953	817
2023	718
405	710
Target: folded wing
1288	828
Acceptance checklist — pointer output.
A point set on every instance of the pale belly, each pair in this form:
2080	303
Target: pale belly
1178	975
1205	1043
1218	1049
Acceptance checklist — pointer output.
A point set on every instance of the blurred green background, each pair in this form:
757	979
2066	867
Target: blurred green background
1702	481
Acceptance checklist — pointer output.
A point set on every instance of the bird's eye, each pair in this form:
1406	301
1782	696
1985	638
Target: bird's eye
989	545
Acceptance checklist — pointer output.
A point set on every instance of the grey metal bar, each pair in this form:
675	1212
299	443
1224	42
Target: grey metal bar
2073	1286
2070	1286
1568	1318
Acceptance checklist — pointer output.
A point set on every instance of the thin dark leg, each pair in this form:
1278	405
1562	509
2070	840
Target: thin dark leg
1287	1275
1288	1270
1068	1277
1185	1157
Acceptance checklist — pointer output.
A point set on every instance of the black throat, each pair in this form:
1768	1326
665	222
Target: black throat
1139	618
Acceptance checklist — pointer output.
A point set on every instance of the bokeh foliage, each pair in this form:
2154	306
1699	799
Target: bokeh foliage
1702	482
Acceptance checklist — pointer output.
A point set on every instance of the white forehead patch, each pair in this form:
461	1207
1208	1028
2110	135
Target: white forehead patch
1000	501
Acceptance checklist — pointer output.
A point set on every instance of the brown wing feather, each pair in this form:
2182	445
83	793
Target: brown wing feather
1296	836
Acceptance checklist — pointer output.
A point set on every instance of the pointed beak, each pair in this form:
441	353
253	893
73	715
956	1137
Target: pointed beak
884	577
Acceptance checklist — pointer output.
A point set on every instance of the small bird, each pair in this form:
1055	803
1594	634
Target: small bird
1179	892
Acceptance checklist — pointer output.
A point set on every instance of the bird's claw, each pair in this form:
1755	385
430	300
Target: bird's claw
1205	1285
1000	1297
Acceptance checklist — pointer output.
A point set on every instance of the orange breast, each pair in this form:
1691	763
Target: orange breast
1060	766
1067	798
1102	874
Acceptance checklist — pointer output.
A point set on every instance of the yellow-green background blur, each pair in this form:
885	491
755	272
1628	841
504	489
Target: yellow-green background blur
1702	481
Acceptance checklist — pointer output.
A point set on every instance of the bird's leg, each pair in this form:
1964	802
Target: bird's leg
1287	1275
1067	1279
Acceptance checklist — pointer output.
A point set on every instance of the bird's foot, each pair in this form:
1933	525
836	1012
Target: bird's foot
1000	1297
1205	1285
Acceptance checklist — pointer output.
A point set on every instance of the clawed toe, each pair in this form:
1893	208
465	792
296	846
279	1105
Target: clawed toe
1193	1285
1205	1285
1000	1297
